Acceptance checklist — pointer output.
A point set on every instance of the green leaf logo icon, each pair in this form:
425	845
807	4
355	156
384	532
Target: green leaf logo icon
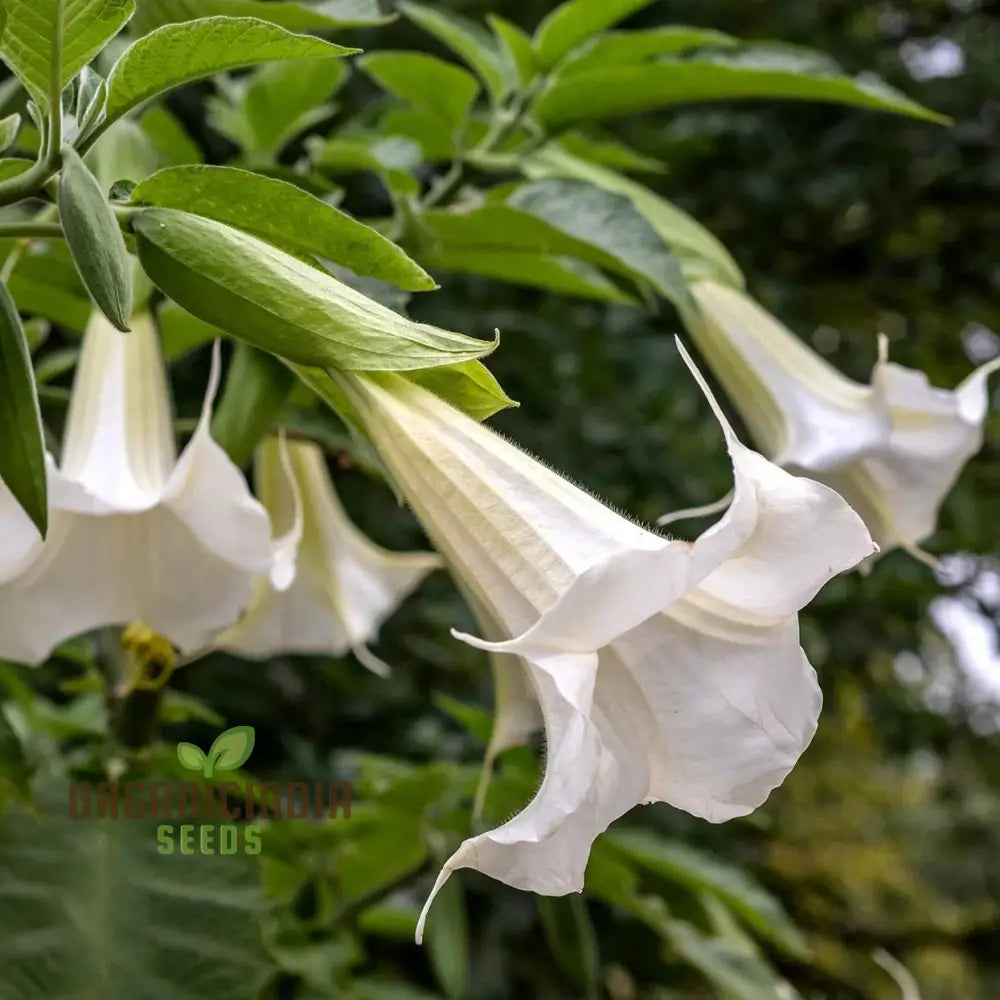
230	750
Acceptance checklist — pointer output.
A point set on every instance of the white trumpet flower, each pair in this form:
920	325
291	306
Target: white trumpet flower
135	534
331	587
893	448
665	670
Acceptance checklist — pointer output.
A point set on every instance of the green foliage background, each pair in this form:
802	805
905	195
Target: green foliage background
846	223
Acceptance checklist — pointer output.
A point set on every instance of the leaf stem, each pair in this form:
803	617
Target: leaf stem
40	172
31	230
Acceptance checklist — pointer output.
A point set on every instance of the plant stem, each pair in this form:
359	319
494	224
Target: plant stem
29	230
505	123
40	172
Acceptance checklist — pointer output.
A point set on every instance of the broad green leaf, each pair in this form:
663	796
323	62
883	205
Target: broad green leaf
474	719
327	15
610	222
124	153
599	92
573	22
447	939
95	240
22	447
192	757
12	167
172	143
468	39
55	364
570	936
701	871
701	255
391	158
256	388
8	130
516	48
630	48
431	133
268	109
180	332
607	151
428	82
742	975
178	53
29	32
563	275
188	923
274	301
231	749
45	283
284	215
15	774
469	386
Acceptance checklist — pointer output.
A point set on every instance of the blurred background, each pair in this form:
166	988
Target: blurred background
885	836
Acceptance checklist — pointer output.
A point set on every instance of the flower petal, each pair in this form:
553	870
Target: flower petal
799	408
344	585
19	538
119	445
208	493
544	848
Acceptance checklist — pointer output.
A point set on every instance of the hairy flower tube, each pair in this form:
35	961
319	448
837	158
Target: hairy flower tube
665	670
135	533
892	448
331	587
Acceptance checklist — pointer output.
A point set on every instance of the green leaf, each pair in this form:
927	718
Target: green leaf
434	136
274	301
606	151
124	153
388	157
447	939
555	274
265	111
474	719
256	388
22	446
425	81
572	23
701	871
15	774
701	255
515	46
191	756
180	332
95	240
8	130
12	167
328	15
469	386
45	283
284	215
29	33
172	143
740	974
92	911
231	749
570	936
629	48
610	222
599	92
178	53
467	39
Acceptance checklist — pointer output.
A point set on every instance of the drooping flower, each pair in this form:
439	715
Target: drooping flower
892	448
665	670
331	587
135	534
